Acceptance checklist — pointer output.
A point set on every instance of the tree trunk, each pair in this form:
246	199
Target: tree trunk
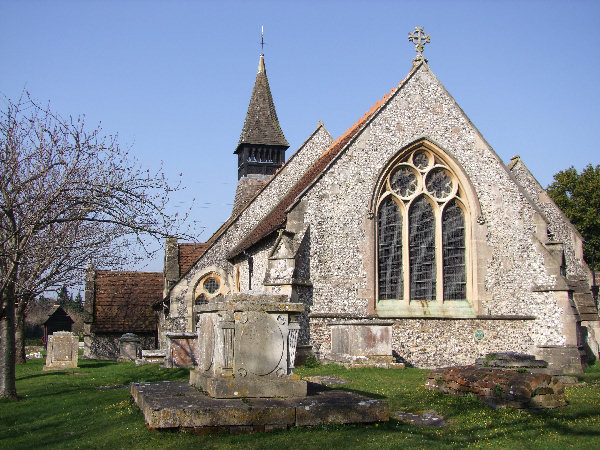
20	332
8	388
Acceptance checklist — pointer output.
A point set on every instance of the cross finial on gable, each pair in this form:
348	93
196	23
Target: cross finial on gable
419	38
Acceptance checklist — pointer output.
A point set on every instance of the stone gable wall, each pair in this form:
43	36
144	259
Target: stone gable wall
291	172
559	226
341	258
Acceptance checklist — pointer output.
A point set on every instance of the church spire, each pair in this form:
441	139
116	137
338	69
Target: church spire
262	145
261	125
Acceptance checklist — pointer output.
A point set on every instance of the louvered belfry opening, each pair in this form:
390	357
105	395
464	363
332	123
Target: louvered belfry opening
453	243
389	252
421	211
421	225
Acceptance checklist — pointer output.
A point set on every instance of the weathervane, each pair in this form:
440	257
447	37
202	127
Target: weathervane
262	40
419	38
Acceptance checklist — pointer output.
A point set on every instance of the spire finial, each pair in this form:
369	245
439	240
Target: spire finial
262	40
419	38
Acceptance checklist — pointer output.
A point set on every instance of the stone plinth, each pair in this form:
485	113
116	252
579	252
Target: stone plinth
62	351
179	405
247	346
511	360
129	347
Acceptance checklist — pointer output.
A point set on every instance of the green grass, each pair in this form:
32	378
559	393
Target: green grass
67	410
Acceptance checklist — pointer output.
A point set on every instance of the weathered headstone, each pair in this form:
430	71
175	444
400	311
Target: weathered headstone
62	351
130	346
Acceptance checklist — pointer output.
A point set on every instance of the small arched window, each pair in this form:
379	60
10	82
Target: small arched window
421	232
208	287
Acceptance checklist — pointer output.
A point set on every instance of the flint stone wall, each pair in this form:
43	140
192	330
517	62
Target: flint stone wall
342	235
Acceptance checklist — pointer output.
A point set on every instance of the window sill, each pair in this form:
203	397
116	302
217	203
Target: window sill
450	309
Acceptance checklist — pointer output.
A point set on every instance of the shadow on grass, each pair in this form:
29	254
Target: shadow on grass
94	364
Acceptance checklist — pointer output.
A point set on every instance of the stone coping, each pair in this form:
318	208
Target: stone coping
181	334
176	404
262	306
351	316
380	323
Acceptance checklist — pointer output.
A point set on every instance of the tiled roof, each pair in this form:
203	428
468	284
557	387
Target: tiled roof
189	254
262	125
123	301
276	218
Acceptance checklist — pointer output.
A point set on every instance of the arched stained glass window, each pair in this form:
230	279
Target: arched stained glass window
421	226
389	251
422	232
453	245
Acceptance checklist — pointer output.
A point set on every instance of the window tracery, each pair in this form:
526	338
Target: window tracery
421	232
209	286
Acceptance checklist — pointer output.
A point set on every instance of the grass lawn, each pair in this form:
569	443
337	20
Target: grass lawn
75	409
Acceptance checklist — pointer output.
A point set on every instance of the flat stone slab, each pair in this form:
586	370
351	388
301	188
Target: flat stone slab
245	387
426	419
326	380
176	404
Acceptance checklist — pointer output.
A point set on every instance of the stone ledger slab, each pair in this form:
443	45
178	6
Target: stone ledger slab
231	387
172	404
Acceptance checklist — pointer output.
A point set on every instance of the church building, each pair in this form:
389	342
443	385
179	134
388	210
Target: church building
407	229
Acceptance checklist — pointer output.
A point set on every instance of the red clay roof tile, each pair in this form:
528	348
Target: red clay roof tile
123	301
276	218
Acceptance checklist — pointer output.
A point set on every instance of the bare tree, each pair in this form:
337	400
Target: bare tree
67	195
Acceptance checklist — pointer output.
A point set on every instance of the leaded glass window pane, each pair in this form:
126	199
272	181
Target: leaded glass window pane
211	285
403	181
439	183
421	241
389	251
453	242
421	160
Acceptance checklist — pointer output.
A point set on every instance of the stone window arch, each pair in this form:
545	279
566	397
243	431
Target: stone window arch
423	249
209	286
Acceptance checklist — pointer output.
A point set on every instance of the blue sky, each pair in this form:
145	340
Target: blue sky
174	78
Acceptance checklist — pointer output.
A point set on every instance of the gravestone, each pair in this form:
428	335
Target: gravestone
129	347
62	351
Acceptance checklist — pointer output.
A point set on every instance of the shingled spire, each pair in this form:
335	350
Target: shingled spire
262	145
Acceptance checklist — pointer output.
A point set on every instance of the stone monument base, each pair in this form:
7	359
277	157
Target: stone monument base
256	387
60	365
173	404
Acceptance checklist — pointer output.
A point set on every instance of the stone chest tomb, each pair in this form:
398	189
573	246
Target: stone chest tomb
247	346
